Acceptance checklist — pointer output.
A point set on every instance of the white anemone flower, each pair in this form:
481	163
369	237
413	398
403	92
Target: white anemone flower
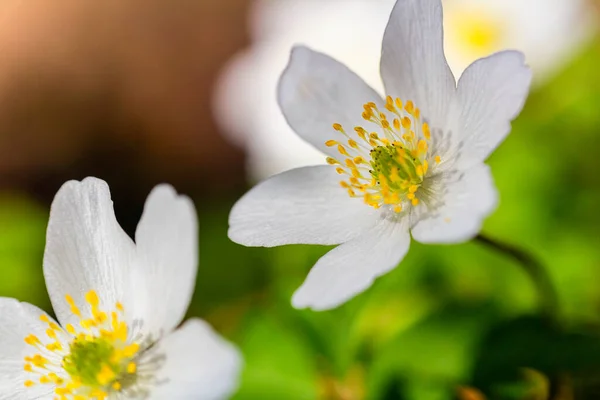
412	162
118	305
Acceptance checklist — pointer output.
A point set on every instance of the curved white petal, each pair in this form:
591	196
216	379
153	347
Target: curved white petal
17	321
413	65
470	197
86	249
167	249
491	93
352	267
198	364
303	205
315	91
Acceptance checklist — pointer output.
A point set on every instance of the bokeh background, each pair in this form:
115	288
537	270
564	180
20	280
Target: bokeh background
182	91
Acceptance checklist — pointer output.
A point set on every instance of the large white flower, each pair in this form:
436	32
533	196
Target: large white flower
413	161
118	305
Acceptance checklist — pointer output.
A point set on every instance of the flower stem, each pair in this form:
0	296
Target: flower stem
533	268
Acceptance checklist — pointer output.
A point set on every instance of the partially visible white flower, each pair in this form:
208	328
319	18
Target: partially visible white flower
413	161
548	32
118	305
246	106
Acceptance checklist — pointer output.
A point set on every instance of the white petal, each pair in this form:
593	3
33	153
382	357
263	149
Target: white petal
491	93
470	197
304	205
315	91
413	65
167	248
198	364
18	320
85	249
352	267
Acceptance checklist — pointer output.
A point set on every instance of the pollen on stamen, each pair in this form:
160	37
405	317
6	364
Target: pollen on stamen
386	165
89	363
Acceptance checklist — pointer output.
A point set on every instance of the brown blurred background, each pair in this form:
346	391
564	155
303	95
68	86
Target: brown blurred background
116	89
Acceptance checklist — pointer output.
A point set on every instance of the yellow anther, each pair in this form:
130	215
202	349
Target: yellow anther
29	383
352	144
426	131
131	368
367	115
331	143
389	104
338	127
374	135
438	159
360	132
406	122
420	170
116	386
396	124
332	161
417	113
69	328
425	167
340	170
44	318
415	202
71	303
410	196
413	189
409	107
351	193
92	298
398	208
342	150
385	124
398	103
359	160
422	146
32	340
344	184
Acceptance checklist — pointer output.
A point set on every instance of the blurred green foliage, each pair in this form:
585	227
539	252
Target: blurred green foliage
447	317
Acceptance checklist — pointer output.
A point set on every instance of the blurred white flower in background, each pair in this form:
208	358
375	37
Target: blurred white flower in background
549	32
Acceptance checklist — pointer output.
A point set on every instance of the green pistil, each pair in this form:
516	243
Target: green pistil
87	358
397	165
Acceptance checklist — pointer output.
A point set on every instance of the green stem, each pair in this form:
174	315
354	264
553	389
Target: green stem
533	268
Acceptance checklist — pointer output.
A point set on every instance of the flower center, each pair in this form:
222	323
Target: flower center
389	165
91	360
